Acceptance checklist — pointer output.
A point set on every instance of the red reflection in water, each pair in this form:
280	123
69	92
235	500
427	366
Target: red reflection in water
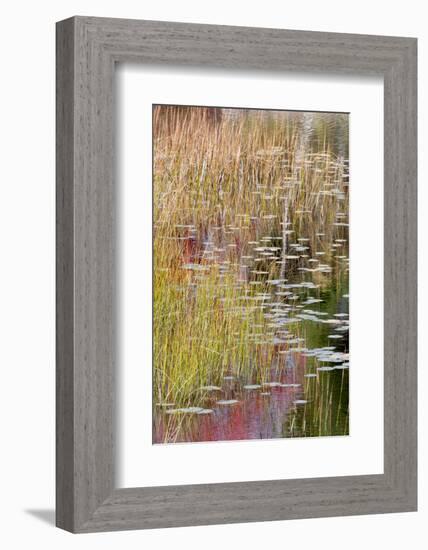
255	416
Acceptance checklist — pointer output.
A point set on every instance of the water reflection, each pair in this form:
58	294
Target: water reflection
251	316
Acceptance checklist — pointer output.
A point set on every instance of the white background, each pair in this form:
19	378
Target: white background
362	451
27	273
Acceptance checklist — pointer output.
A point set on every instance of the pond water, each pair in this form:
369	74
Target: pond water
289	405
251	303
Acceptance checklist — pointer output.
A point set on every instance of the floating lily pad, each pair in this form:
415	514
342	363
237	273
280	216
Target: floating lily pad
342	367
195	267
210	388
227	402
252	387
188	410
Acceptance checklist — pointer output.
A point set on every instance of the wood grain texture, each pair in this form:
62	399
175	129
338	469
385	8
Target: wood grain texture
87	50
64	276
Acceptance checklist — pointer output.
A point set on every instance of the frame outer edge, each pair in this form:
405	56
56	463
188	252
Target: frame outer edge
400	252
86	498
94	276
65	57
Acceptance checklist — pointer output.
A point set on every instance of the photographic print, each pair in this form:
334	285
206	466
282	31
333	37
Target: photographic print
250	274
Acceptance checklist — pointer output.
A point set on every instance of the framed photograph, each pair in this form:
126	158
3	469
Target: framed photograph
236	274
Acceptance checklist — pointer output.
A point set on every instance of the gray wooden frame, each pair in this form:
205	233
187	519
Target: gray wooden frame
87	50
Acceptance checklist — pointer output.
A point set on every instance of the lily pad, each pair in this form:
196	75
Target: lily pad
188	410
342	367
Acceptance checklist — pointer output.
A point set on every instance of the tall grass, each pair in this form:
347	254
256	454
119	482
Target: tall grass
230	197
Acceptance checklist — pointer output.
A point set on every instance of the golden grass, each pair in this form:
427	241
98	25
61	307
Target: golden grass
220	188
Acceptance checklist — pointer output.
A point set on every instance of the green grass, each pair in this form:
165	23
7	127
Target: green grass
234	183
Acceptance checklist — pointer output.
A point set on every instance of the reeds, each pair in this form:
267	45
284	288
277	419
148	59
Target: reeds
232	196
